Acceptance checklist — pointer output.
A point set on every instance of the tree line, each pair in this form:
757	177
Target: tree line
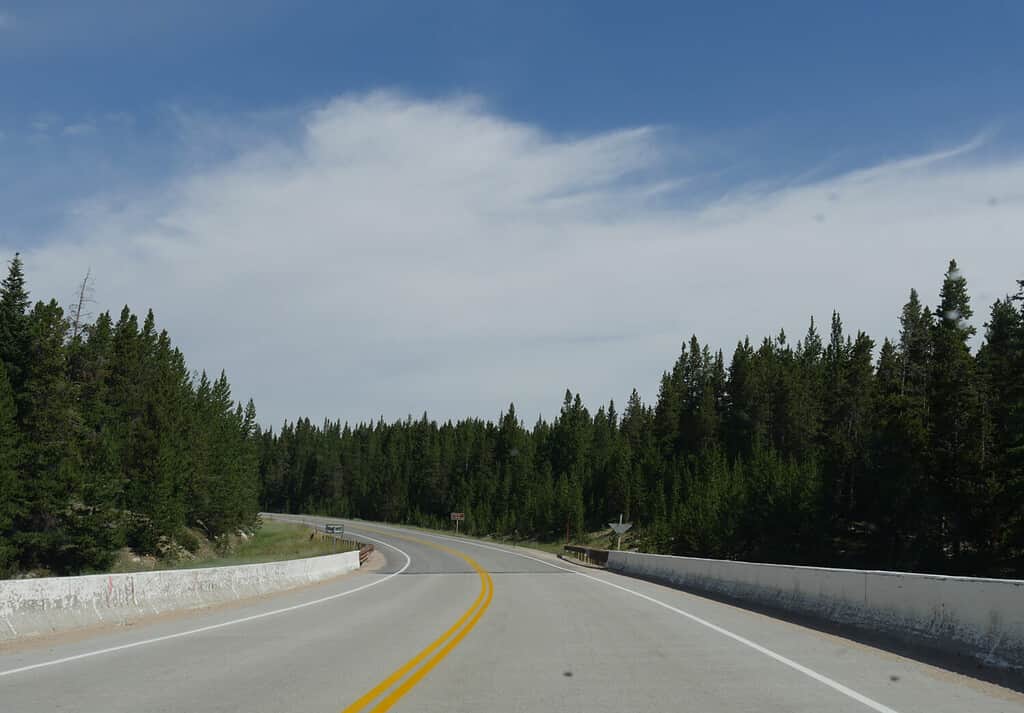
108	440
834	450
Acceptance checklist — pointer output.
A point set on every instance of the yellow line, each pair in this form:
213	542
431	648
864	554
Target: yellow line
485	596
393	697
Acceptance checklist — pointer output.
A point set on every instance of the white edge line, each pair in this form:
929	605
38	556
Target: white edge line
221	625
821	678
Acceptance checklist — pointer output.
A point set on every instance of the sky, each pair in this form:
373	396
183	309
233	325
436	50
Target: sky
364	210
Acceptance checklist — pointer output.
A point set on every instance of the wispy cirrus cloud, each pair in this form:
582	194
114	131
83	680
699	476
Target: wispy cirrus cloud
43	122
79	129
382	254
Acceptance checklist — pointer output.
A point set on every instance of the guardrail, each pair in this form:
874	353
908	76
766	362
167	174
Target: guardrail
29	607
334	533
325	531
588	555
966	616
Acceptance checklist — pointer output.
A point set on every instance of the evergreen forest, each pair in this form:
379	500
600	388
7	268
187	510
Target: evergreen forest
834	450
107	440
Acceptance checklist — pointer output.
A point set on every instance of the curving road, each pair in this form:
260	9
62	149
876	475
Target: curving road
448	624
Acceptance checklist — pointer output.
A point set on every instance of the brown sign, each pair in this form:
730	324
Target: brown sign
458	516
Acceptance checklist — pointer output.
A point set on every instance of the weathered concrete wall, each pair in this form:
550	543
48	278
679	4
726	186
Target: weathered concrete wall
981	618
30	607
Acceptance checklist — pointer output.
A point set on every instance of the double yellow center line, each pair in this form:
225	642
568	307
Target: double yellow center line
433	654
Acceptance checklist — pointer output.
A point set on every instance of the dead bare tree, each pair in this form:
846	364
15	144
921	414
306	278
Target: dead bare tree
79	311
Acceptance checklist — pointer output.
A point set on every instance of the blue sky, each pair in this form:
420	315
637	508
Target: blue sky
812	86
878	72
121	109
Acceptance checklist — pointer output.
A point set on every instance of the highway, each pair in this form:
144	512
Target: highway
445	624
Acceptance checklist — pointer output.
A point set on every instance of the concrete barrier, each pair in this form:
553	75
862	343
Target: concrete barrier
29	607
980	618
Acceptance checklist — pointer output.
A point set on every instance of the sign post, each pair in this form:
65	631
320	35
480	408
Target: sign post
620	527
458	517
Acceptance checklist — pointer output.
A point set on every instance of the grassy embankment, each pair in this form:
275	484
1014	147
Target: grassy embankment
273	541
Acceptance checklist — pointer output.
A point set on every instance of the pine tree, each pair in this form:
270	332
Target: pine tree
745	403
954	409
101	522
915	353
10	482
14	327
859	419
836	447
1001	365
893	501
805	402
907	442
668	411
51	467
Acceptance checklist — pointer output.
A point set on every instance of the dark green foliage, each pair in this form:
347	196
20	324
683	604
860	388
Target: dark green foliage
14	336
10	478
50	466
105	440
1001	364
815	453
954	406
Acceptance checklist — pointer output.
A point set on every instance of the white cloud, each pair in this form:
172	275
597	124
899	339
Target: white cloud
42	122
402	255
79	129
120	118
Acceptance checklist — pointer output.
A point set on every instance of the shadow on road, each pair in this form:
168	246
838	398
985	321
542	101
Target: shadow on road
1010	678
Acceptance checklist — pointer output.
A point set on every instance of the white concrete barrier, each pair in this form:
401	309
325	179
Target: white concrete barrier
980	618
29	607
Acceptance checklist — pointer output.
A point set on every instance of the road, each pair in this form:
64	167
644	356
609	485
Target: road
455	625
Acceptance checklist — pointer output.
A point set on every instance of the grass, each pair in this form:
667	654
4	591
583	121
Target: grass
272	542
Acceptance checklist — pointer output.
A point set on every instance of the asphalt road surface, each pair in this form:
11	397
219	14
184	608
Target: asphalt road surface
454	625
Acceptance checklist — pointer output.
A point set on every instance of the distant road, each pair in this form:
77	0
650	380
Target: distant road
455	625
